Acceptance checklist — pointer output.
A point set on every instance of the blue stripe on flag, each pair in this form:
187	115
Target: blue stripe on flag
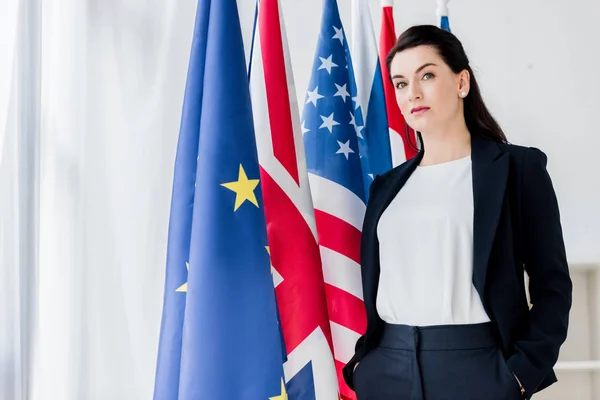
378	134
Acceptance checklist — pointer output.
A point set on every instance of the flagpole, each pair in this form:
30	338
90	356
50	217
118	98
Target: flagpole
252	42
442	8
442	14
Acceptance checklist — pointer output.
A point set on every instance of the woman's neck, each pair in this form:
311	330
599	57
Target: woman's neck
446	146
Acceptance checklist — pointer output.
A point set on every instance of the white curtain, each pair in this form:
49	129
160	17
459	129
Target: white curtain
19	133
90	103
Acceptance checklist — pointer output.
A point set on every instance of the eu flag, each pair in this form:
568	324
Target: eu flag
219	334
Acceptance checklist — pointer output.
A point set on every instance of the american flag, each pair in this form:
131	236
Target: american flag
309	368
338	166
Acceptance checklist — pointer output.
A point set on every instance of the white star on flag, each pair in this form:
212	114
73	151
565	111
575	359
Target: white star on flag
357	128
327	63
355	100
339	34
328	123
341	91
313	96
371	176
304	129
345	148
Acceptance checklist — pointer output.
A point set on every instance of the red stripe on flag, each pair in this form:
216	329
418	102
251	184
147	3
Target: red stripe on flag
338	235
345	392
346	309
295	255
396	121
278	98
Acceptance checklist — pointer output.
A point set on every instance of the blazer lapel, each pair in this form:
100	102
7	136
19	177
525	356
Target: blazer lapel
490	172
382	198
379	200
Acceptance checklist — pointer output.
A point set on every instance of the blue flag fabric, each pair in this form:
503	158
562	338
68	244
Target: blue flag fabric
445	23
365	72
219	334
376	131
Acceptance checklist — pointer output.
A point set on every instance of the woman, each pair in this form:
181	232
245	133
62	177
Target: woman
446	238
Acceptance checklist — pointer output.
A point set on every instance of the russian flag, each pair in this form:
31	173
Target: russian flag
402	137
370	95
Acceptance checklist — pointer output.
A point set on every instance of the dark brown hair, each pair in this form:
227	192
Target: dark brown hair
477	116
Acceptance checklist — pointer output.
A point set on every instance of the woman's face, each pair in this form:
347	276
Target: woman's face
427	90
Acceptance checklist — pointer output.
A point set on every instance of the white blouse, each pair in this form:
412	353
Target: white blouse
426	250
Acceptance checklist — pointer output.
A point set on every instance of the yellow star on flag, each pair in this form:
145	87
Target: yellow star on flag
243	188
183	288
283	395
270	261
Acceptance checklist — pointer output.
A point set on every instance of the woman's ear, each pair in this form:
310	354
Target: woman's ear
464	82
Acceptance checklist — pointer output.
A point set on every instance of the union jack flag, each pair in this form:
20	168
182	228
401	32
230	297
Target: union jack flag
309	367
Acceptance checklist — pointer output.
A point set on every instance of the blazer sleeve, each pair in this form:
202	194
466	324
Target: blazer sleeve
348	370
359	348
550	286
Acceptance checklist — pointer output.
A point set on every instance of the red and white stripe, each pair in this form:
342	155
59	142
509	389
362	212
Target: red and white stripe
291	222
400	132
339	215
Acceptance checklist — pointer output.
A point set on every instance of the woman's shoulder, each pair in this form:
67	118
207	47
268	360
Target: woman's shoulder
379	179
524	155
528	166
522	158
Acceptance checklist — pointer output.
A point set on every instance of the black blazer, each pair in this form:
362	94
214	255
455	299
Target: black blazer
516	226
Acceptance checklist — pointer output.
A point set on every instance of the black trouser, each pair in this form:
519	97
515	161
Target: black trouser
449	362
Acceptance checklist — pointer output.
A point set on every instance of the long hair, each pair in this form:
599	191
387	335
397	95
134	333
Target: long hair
478	118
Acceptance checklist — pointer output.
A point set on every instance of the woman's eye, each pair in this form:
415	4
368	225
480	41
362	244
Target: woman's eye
428	76
400	85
